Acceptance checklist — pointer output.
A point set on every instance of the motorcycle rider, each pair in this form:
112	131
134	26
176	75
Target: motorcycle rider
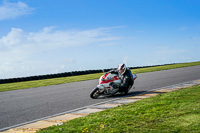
126	76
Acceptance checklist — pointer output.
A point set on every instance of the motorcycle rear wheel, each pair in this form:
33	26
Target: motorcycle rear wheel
95	93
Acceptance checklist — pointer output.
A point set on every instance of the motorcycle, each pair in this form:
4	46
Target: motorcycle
105	85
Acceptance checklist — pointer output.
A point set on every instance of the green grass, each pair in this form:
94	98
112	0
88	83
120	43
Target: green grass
54	81
174	112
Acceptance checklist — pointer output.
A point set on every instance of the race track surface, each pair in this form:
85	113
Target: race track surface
25	105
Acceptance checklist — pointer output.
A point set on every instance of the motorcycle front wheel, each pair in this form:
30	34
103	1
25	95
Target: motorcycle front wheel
95	93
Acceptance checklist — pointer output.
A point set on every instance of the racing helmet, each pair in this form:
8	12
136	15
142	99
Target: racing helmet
121	68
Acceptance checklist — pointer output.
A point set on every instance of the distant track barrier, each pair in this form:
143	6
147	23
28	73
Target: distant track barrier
65	74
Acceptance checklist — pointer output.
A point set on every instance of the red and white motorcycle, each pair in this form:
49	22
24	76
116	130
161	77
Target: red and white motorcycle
105	87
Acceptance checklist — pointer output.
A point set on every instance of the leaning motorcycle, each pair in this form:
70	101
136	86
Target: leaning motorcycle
104	88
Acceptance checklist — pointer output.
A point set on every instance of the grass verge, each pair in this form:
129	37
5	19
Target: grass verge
54	81
174	112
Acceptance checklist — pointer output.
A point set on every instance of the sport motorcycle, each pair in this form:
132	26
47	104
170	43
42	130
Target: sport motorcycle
105	88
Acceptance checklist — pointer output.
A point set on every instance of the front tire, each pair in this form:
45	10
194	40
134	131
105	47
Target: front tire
95	93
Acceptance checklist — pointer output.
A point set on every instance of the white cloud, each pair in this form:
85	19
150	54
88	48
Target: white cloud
20	51
10	10
48	38
13	38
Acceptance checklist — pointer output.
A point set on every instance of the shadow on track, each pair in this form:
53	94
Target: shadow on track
122	96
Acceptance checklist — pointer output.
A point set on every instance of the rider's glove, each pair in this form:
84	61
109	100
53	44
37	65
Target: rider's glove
113	72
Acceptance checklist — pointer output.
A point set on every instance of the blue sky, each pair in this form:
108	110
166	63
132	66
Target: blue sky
51	36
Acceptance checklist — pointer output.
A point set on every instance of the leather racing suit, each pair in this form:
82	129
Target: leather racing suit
127	80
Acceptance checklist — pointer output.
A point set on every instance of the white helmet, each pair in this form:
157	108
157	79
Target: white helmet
121	68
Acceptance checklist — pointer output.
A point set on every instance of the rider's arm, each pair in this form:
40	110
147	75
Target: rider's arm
113	71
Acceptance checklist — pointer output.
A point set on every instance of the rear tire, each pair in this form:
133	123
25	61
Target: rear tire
95	93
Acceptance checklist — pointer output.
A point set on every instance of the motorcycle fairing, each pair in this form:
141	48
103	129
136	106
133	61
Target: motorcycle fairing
108	77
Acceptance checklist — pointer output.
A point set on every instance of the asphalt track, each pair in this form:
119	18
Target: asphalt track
26	105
